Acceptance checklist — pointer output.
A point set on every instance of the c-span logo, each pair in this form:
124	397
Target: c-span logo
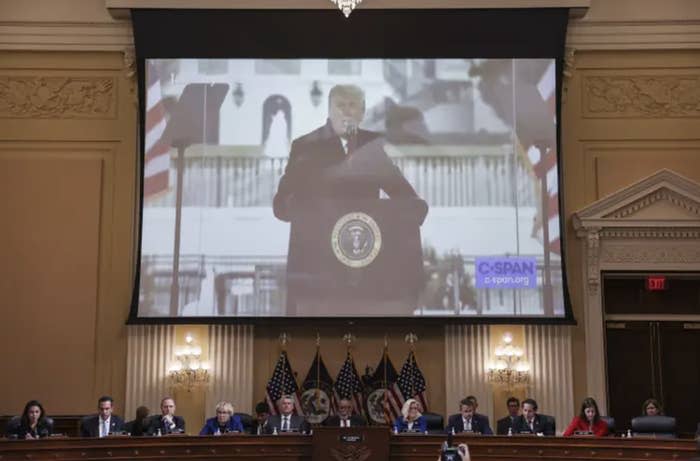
356	239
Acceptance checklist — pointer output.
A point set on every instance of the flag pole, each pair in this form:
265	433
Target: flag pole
387	418
317	394
411	339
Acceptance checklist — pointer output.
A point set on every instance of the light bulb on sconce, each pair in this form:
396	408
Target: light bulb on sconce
187	370
508	369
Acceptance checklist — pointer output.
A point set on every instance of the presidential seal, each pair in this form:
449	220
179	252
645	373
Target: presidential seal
356	239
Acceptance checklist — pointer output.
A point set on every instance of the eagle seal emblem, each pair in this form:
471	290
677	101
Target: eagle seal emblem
356	239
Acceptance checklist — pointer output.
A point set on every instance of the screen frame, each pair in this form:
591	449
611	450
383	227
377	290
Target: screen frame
448	33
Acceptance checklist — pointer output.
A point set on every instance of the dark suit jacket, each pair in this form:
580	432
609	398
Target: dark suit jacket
157	422
503	424
543	424
137	428
480	424
89	426
355	421
319	168
16	429
297	423
319	171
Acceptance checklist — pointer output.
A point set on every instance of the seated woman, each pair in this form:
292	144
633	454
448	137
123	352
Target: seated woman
588	421
33	423
411	420
652	407
224	422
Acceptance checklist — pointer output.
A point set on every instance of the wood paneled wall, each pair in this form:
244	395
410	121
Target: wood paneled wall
68	169
67	182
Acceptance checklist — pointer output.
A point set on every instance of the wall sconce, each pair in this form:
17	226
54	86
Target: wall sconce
509	369
238	95
187	370
316	94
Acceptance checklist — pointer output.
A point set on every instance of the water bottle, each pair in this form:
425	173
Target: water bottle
218	431
396	430
629	432
510	431
158	433
274	431
452	431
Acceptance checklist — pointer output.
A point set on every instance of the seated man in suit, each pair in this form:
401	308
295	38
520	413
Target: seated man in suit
137	427
262	412
104	423
530	422
503	424
286	421
345	418
467	420
167	422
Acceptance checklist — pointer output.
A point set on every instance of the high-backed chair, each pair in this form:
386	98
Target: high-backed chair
610	421
246	420
656	426
434	421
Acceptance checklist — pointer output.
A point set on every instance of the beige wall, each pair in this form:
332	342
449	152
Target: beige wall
68	178
67	181
647	120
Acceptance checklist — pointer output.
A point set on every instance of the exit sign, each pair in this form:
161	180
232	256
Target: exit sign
656	282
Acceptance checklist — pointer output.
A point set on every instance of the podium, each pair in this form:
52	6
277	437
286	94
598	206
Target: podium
361	256
350	443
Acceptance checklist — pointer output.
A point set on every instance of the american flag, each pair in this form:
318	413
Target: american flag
524	96
156	164
543	160
349	386
411	382
282	382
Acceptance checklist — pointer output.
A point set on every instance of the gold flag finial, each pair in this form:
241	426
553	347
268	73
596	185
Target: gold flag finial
411	339
284	339
348	339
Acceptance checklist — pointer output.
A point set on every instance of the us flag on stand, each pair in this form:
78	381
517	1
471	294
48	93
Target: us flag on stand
349	386
282	382
156	163
411	382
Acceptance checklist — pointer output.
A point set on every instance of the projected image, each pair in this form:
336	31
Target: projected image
350	188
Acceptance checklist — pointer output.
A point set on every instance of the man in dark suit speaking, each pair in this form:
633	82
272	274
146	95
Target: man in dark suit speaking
167	422
335	166
104	423
286	420
468	420
345	418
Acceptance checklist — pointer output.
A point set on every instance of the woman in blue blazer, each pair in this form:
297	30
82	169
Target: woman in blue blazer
224	421
411	420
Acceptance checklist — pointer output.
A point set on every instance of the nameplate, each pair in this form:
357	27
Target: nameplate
351	438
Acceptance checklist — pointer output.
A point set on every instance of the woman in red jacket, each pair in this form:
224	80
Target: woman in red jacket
588	421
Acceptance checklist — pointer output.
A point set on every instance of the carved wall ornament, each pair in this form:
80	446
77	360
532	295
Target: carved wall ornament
569	67
638	254
662	194
593	267
57	97
351	453
642	96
